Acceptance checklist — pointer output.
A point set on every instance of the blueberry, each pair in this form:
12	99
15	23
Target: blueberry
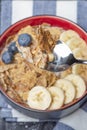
7	57
24	39
12	48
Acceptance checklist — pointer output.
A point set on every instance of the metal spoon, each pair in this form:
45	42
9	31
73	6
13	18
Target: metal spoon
63	58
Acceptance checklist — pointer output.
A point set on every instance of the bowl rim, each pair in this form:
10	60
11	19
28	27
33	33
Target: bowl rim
24	20
42	16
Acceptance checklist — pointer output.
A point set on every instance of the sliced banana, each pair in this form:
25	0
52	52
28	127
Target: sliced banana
39	98
57	97
76	42
78	83
80	53
80	70
68	88
66	35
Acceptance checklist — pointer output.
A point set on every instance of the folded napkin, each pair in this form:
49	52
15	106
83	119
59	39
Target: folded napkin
15	10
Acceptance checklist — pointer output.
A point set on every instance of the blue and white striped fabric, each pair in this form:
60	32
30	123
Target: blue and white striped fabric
12	11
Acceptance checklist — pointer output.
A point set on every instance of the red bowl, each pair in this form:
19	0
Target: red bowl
54	21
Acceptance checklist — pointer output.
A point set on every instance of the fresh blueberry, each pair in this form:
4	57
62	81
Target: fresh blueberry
7	57
24	39
12	48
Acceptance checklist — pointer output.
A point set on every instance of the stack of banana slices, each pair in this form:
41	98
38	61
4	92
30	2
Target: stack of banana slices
54	97
72	82
79	49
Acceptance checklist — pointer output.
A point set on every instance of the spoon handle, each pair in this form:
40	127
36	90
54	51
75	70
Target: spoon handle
81	61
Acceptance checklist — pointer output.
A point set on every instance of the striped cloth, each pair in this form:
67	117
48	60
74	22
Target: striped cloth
15	10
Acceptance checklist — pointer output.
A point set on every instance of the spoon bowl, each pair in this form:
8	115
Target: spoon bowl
63	58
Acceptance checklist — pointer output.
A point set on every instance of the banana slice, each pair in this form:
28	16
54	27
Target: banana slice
57	97
68	88
76	42
80	53
66	35
78	83
80	70
39	98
